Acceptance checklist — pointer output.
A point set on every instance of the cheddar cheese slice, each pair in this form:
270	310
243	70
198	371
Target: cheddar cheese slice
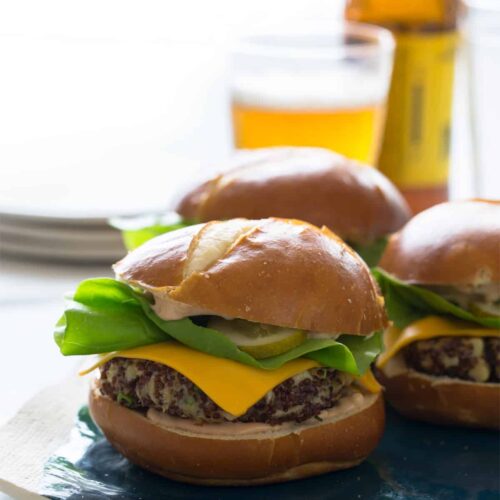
429	328
369	382
233	386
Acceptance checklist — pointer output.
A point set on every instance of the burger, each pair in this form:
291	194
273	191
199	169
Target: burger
441	279
234	353
355	201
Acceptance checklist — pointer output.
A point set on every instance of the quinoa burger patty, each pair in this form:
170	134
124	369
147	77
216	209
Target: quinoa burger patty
466	358
143	384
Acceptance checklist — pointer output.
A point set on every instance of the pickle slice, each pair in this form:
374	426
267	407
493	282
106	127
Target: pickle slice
258	340
485	310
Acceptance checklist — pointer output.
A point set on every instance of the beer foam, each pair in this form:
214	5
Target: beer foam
318	91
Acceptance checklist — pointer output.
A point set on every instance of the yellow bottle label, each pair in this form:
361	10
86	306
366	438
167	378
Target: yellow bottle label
415	151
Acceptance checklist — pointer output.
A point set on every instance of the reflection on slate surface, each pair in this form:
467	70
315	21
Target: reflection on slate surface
414	461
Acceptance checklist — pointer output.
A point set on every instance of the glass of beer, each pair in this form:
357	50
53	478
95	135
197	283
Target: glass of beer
313	89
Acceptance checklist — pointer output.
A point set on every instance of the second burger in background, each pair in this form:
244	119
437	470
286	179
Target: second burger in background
441	279
354	200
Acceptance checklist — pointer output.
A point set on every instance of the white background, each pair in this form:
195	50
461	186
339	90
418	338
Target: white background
96	97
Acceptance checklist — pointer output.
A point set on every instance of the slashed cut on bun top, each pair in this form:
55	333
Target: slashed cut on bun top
454	243
316	185
274	271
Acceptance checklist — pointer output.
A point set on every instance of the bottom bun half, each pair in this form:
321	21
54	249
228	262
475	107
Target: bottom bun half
440	400
271	454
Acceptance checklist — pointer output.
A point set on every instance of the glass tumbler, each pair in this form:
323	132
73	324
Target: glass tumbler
325	89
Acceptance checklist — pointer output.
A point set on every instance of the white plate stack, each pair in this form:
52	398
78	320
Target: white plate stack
58	210
69	239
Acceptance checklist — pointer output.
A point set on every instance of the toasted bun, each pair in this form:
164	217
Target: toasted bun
455	243
440	400
275	271
356	201
267	457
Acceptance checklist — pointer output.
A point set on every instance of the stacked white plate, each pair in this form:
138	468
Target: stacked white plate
78	239
59	210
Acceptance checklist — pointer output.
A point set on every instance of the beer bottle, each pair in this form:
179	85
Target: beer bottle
416	145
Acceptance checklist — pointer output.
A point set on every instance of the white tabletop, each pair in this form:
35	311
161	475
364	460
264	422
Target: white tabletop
31	301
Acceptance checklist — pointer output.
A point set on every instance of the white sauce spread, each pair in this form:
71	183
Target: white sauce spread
348	405
169	309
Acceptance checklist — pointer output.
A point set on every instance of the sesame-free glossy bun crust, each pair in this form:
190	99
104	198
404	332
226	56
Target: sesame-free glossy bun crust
441	400
355	201
275	271
309	450
455	243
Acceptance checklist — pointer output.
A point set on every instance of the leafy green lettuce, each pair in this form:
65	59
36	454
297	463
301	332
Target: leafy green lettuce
371	253
106	315
408	303
138	230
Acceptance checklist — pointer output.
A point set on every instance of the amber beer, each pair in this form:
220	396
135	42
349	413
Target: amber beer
415	148
353	130
325	88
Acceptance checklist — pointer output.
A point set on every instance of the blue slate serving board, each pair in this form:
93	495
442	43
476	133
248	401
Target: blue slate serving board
413	461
